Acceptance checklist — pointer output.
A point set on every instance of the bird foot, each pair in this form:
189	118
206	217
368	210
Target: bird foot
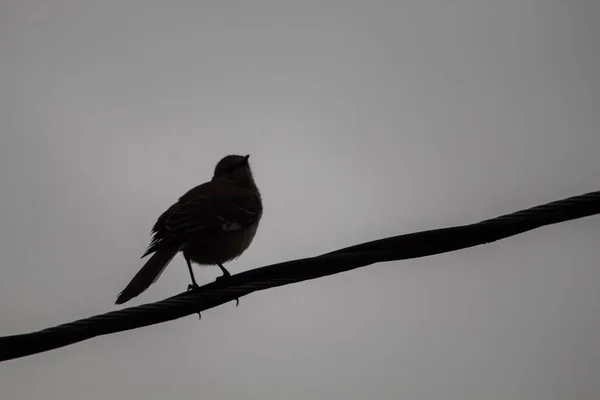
226	276
191	287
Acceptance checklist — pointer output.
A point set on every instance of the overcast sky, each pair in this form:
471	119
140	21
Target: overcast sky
363	120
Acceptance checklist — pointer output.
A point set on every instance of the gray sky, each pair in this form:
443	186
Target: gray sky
364	120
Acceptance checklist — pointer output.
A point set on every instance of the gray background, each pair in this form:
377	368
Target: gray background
364	120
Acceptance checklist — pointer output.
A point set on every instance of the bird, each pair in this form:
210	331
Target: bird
211	224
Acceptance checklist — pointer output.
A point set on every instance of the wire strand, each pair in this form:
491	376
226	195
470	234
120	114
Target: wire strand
412	245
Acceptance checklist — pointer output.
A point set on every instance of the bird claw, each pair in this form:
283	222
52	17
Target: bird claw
226	276
220	278
191	287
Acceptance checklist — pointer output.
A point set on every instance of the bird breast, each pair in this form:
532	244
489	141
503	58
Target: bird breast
219	248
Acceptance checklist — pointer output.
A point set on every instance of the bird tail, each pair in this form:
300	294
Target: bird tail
148	274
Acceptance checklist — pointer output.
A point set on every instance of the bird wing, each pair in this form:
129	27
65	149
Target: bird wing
210	208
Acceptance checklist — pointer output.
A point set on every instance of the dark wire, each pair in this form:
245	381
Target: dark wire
401	247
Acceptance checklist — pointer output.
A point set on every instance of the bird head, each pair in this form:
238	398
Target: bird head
234	169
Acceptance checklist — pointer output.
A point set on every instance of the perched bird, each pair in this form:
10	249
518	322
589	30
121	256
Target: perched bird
211	224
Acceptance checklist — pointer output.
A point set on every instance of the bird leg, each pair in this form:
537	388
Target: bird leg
225	272
193	285
226	275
